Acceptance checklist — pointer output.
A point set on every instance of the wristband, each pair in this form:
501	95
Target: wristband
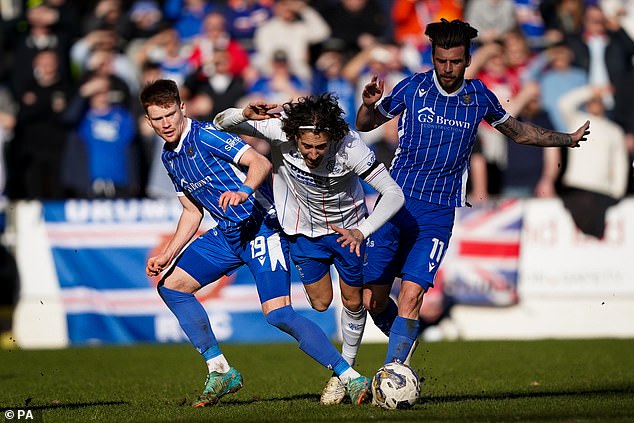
246	189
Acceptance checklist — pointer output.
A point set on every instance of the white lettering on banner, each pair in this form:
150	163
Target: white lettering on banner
167	329
558	259
160	209
221	322
575	281
547	231
84	211
543	233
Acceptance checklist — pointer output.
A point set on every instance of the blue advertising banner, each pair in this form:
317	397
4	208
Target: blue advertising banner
99	251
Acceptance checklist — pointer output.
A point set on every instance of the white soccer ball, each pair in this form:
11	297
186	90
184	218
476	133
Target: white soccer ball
395	385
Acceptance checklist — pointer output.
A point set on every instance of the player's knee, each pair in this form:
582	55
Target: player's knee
352	304
318	300
320	307
320	304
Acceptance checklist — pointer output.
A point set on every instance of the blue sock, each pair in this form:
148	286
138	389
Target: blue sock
385	318
402	336
193	320
312	340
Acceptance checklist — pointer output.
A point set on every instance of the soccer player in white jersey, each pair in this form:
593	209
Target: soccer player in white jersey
439	112
218	172
320	201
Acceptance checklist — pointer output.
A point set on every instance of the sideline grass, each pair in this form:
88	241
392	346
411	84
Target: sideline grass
528	381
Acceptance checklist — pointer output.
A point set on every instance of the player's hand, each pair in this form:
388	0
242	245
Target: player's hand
373	91
352	238
157	264
580	134
232	198
260	110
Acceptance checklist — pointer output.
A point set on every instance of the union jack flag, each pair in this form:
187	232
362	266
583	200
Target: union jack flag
481	264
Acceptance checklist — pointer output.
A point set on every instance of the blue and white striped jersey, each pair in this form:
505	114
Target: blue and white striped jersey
205	164
436	134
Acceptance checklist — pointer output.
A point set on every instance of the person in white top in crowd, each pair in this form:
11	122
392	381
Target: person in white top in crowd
320	201
293	28
596	175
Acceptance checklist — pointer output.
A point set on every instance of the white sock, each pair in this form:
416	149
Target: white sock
218	364
352	327
348	375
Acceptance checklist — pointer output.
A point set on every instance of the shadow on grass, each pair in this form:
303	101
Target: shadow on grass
229	401
440	399
70	406
523	395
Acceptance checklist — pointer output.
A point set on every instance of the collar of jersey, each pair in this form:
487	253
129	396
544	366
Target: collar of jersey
188	127
442	91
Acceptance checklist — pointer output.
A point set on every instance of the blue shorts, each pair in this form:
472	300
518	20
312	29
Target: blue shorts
314	256
259	244
410	246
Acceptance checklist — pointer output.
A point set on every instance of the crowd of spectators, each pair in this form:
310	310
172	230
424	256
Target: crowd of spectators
71	125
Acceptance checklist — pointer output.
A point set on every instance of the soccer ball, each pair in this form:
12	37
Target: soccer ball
395	385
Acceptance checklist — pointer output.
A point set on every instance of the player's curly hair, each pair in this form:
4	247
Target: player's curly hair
445	34
320	113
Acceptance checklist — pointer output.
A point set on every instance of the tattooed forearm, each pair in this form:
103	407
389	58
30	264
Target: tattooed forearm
510	128
543	137
527	133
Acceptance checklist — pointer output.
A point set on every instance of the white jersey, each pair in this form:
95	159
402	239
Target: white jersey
307	200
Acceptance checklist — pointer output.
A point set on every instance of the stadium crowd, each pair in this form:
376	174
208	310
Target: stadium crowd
71	124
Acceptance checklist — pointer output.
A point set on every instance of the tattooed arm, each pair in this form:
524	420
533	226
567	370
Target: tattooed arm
527	133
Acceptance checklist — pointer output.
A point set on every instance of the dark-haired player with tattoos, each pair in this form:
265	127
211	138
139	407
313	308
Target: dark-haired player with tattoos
439	113
320	201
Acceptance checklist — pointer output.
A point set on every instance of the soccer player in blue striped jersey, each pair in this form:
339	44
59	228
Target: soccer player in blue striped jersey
320	201
218	172
439	112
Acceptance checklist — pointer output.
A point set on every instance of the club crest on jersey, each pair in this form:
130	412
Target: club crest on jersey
466	98
190	151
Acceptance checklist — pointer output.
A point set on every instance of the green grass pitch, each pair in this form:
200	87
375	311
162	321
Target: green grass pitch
485	381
